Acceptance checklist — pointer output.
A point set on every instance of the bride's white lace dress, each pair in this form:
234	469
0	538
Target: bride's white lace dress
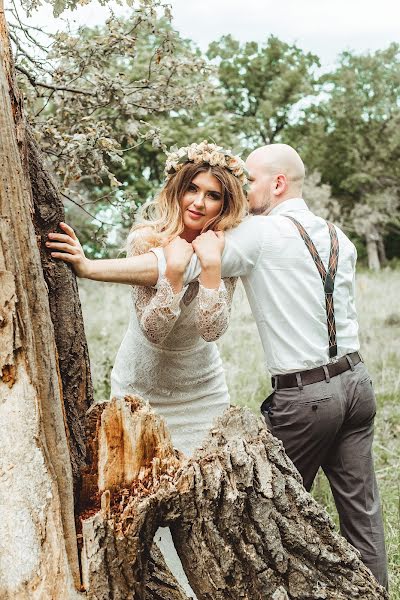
169	357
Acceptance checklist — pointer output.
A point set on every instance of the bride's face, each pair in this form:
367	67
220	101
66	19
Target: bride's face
201	202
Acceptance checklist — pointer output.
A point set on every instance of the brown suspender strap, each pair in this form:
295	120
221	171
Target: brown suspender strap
328	277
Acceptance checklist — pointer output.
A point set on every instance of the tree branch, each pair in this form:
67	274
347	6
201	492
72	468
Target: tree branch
49	86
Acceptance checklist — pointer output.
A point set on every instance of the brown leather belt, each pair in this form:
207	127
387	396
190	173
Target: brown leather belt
318	374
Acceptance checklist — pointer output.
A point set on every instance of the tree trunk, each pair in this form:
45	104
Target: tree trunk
38	555
241	520
382	252
66	314
372	239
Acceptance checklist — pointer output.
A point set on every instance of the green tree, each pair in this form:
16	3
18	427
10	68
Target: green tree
262	86
351	136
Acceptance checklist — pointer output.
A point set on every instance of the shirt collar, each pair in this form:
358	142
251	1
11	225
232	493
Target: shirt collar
291	205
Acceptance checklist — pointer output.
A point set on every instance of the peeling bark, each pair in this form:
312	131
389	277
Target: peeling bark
242	523
7	317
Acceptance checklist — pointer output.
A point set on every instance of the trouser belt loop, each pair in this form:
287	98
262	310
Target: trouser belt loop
299	381
275	382
350	362
327	376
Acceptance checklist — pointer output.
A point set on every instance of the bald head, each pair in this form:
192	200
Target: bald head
276	173
280	158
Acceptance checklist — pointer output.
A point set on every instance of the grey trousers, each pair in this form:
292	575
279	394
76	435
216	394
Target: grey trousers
330	424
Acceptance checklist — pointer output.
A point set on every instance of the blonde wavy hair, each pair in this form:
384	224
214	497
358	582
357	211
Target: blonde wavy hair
163	219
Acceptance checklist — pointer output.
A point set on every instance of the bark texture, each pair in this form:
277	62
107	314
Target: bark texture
38	557
241	520
66	314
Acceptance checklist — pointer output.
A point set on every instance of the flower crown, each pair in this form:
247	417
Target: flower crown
209	153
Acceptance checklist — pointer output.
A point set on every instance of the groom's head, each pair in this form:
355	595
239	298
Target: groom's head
276	174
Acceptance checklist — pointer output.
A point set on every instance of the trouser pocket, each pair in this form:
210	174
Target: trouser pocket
266	409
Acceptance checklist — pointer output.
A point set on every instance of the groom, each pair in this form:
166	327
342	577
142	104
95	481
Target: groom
298	273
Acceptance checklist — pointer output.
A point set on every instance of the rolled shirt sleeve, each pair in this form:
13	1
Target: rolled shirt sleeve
243	246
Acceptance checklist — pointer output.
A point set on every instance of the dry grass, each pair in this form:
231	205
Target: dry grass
106	311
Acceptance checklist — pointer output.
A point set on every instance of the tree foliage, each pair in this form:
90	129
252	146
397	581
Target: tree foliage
106	102
98	100
352	138
262	85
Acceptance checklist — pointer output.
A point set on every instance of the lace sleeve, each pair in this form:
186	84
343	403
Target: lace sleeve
156	309
213	309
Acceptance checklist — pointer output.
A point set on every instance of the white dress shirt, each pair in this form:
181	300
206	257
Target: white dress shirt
284	288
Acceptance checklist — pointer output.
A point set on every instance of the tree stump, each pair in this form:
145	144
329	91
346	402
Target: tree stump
242	523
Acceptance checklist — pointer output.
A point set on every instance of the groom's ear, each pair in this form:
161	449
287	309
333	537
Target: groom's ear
280	184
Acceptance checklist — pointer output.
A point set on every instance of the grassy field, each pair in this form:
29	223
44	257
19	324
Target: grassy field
106	312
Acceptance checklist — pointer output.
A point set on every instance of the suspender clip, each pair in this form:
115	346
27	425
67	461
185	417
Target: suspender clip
329	284
333	353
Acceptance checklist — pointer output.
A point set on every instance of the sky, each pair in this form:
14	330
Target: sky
325	27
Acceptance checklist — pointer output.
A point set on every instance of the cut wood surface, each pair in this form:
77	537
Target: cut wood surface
242	523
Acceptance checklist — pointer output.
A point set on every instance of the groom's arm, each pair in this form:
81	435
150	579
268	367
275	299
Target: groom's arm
192	271
243	247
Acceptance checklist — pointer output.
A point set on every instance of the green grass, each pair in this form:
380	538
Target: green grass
106	312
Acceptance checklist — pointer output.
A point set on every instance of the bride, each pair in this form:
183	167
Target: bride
168	354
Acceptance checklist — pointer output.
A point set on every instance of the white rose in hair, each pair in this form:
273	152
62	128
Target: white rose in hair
191	153
182	152
215	159
207	157
222	161
234	163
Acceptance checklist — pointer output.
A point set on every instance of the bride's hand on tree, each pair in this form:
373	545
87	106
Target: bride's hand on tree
67	247
209	247
177	254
